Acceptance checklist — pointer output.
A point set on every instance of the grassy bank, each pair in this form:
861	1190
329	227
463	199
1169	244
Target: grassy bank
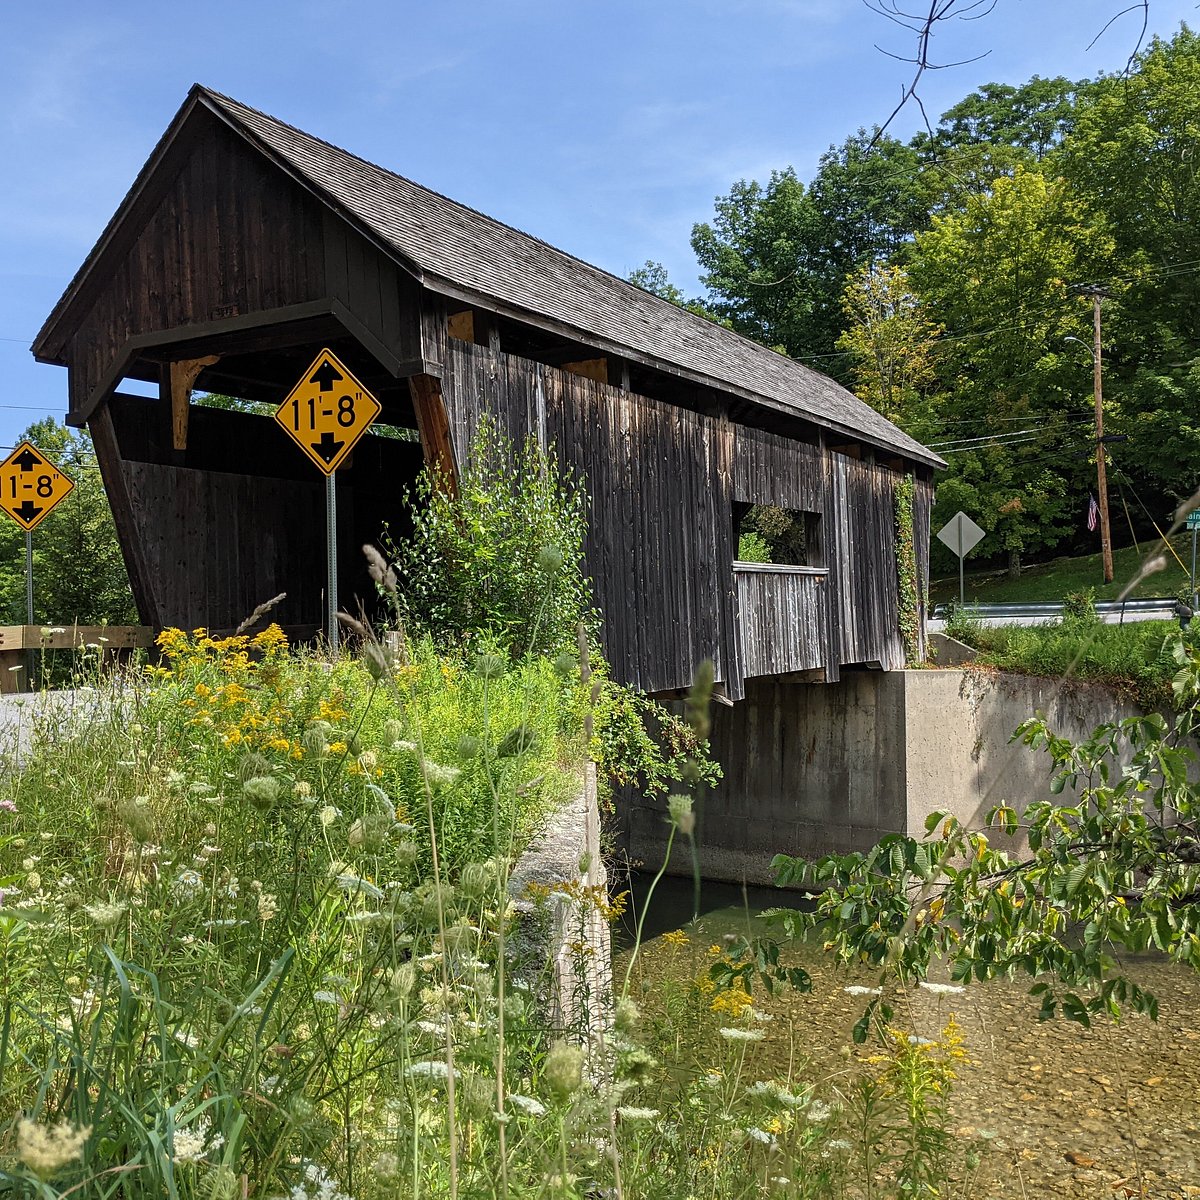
1057	578
1135	659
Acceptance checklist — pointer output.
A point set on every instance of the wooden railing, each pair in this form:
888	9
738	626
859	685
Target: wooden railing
782	618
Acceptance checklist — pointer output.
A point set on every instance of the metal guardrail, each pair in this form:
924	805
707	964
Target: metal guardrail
1050	609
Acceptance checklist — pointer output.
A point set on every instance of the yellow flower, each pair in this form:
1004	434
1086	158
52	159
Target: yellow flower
676	937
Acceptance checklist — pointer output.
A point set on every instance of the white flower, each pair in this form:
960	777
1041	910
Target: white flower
838	1144
325	998
44	1149
628	1113
105	914
527	1104
328	815
743	1035
760	1135
188	881
429	1069
856	989
818	1112
942	989
192	1144
268	906
913	1040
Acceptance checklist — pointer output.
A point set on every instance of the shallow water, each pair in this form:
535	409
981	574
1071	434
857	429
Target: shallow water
1122	1100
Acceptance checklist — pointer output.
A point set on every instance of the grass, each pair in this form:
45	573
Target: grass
1133	659
1057	578
256	941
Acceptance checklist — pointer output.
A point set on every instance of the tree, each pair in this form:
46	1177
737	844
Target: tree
79	574
1035	116
890	340
1107	863
1134	154
777	257
997	275
761	255
652	277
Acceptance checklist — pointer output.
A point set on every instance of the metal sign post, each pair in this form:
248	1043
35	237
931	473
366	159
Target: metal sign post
962	535
325	414
331	587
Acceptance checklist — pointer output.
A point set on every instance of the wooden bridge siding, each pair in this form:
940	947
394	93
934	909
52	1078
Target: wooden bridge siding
863	559
240	516
770	469
229	232
659	545
783	622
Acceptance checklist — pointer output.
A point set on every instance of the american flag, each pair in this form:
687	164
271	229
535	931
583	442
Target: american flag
1093	513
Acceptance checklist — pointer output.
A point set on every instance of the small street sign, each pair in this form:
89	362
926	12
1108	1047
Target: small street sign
1193	519
961	534
327	412
30	487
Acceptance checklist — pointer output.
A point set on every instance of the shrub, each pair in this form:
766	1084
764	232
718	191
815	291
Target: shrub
502	555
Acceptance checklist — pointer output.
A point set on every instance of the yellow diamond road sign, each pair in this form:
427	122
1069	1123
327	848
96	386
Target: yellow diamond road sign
30	487
327	412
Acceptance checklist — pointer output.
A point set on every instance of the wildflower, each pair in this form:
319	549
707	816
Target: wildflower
438	775
856	989
942	989
262	791
429	1069
742	1035
106	914
818	1112
7	806
563	1070
302	789
527	1104
387	1166
628	1113
680	814
188	881
676	937
760	1135
325	998
45	1149
328	815
192	1144
268	907
914	1040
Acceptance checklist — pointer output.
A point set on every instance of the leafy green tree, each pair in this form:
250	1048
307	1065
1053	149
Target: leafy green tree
1134	154
79	574
777	256
890	339
998	276
652	276
1034	116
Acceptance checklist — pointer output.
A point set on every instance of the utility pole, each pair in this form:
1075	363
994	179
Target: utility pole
1097	294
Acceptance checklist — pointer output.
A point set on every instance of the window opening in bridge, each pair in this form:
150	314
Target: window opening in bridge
767	533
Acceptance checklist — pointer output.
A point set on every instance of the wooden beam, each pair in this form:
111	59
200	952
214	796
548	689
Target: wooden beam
108	458
183	378
433	424
461	325
589	368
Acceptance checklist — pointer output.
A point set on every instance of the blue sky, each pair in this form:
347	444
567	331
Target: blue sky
607	129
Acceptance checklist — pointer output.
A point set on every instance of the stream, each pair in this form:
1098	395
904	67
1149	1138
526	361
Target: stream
1063	1111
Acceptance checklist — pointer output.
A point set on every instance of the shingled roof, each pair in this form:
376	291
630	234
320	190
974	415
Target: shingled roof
453	249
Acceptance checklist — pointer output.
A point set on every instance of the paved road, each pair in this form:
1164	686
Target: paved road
19	713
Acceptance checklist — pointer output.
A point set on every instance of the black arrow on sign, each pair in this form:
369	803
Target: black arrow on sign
27	460
327	448
27	512
326	375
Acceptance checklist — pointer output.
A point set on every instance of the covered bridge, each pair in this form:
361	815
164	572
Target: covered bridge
245	245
